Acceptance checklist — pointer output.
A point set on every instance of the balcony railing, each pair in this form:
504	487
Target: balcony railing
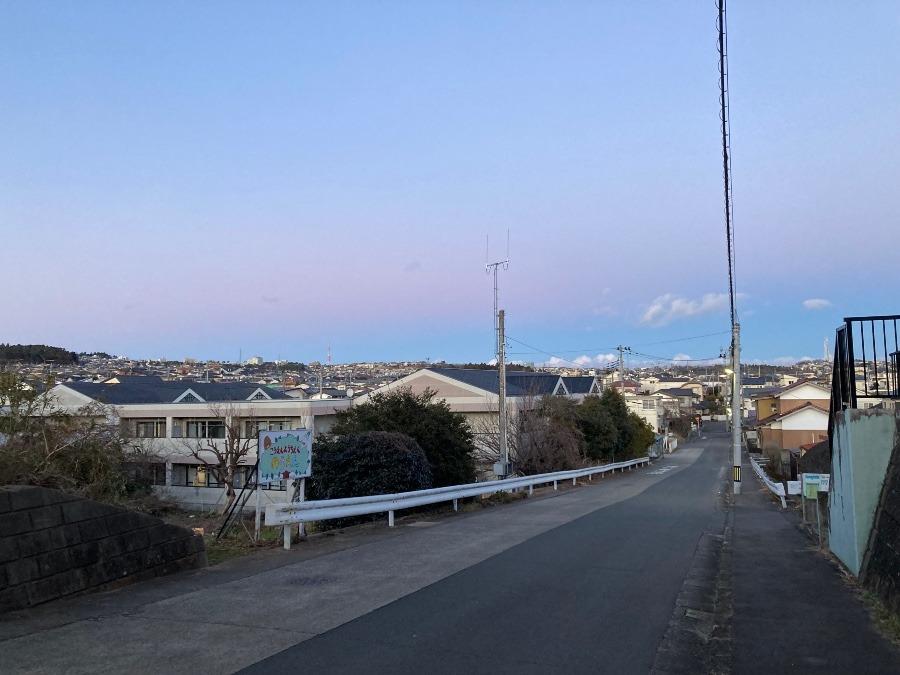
866	363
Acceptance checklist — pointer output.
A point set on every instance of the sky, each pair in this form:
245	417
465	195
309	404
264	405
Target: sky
220	180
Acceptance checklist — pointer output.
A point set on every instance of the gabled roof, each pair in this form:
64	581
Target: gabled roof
136	390
780	416
517	383
801	383
677	393
584	384
767	392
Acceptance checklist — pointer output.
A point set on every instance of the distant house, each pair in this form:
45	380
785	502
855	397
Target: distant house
650	408
474	393
791	416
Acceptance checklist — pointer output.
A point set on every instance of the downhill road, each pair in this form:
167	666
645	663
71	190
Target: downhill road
595	594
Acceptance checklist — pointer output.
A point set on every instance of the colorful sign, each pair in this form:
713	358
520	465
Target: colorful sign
814	483
285	455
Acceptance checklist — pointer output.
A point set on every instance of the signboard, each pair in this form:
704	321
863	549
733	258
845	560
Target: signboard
814	483
285	455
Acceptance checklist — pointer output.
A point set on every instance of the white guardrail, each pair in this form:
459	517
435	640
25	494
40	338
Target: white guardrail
326	509
776	488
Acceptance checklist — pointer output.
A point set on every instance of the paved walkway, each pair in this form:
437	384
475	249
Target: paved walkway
793	609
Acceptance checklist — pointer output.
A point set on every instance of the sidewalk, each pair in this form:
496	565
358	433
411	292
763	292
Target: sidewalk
792	608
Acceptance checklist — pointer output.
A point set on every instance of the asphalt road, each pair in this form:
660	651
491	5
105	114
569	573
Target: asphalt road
596	594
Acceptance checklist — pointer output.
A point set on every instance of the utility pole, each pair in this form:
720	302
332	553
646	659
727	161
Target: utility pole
729	237
736	405
501	468
621	350
504	443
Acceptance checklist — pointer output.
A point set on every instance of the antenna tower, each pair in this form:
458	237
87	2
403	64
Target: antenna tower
494	266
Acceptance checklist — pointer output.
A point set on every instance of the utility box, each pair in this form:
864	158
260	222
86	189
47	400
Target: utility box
501	469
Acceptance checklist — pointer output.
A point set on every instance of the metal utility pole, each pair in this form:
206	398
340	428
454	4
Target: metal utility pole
504	443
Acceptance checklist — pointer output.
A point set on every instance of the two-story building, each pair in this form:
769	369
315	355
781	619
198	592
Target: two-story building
175	424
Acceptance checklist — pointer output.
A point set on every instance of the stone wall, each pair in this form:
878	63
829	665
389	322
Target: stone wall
53	545
881	567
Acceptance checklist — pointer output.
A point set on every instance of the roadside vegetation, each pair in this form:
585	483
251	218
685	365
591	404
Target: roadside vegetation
78	452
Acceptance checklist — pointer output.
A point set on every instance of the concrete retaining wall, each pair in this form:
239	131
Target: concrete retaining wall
53	545
881	568
861	450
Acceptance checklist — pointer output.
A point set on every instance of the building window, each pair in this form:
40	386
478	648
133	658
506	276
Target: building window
180	474
649	405
189	398
253	427
259	396
150	428
204	428
157	473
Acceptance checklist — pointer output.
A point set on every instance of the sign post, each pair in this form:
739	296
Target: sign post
285	456
813	484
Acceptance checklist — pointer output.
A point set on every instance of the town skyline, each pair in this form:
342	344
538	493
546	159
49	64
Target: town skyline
208	182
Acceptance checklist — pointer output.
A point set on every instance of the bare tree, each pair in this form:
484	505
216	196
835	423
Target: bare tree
222	456
542	435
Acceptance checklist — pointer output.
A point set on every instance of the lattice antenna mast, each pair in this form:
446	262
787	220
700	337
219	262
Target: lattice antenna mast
488	268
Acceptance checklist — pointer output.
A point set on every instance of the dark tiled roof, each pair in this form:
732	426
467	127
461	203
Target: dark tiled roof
579	385
517	383
677	392
155	390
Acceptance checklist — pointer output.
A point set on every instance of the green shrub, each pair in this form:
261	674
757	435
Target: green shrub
444	436
370	463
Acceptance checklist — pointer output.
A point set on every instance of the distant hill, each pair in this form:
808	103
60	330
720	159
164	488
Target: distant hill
36	354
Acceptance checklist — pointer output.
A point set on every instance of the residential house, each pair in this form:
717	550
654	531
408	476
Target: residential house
792	416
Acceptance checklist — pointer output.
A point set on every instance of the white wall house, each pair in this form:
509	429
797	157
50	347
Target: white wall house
170	420
474	393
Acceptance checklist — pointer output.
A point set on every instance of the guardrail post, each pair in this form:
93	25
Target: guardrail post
287	537
573	481
456	505
390	518
530	490
554	485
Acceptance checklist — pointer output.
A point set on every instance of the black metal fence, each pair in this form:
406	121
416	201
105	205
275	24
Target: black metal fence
866	361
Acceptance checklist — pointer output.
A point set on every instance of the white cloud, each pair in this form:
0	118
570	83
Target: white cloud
816	303
680	358
667	308
584	361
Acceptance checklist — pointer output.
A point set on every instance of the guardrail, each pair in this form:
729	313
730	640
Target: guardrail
776	488
327	509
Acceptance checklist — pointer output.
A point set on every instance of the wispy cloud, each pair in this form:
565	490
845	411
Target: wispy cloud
412	266
816	303
269	299
668	308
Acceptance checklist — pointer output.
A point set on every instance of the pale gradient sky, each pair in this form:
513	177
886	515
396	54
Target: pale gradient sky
208	179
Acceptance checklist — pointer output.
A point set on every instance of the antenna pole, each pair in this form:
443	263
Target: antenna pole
488	268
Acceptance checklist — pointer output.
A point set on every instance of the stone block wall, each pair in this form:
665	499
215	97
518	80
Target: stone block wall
53	545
